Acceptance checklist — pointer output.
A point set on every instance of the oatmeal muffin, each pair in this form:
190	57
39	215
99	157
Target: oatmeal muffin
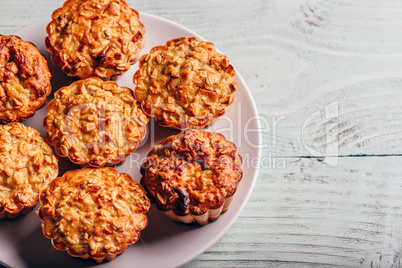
27	164
93	213
185	83
24	79
95	123
192	176
95	38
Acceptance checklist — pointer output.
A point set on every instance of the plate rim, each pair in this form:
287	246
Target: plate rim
254	111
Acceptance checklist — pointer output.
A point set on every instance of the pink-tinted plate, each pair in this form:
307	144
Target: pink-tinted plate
163	243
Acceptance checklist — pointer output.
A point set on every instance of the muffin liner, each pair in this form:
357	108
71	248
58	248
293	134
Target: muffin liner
204	219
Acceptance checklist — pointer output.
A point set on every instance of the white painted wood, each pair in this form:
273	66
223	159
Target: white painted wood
326	76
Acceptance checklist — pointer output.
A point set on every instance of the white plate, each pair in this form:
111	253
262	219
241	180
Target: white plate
163	243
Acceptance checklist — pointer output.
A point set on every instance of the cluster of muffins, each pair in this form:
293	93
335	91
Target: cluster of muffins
96	212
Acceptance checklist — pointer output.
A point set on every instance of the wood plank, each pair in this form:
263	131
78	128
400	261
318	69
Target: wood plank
314	214
331	53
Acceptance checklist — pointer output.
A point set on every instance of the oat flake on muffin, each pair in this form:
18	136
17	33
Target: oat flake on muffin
192	176
27	164
93	212
185	83
95	123
95	38
24	79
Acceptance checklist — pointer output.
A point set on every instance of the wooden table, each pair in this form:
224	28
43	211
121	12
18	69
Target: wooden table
326	76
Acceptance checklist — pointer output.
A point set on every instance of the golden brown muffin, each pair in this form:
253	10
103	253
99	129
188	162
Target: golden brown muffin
27	164
185	83
24	79
95	38
95	123
192	176
93	213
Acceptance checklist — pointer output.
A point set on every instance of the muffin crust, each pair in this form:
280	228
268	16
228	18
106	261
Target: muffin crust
95	38
192	176
93	213
24	79
27	164
95	123
185	83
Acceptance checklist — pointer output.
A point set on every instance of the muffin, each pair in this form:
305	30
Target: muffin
192	176
95	38
24	79
95	123
27	164
93	213
185	83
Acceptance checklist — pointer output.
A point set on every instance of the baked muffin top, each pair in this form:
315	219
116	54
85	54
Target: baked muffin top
192	172
95	38
24	79
27	164
93	212
185	83
94	122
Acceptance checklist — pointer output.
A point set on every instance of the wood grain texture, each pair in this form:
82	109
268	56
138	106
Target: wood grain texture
326	76
310	214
